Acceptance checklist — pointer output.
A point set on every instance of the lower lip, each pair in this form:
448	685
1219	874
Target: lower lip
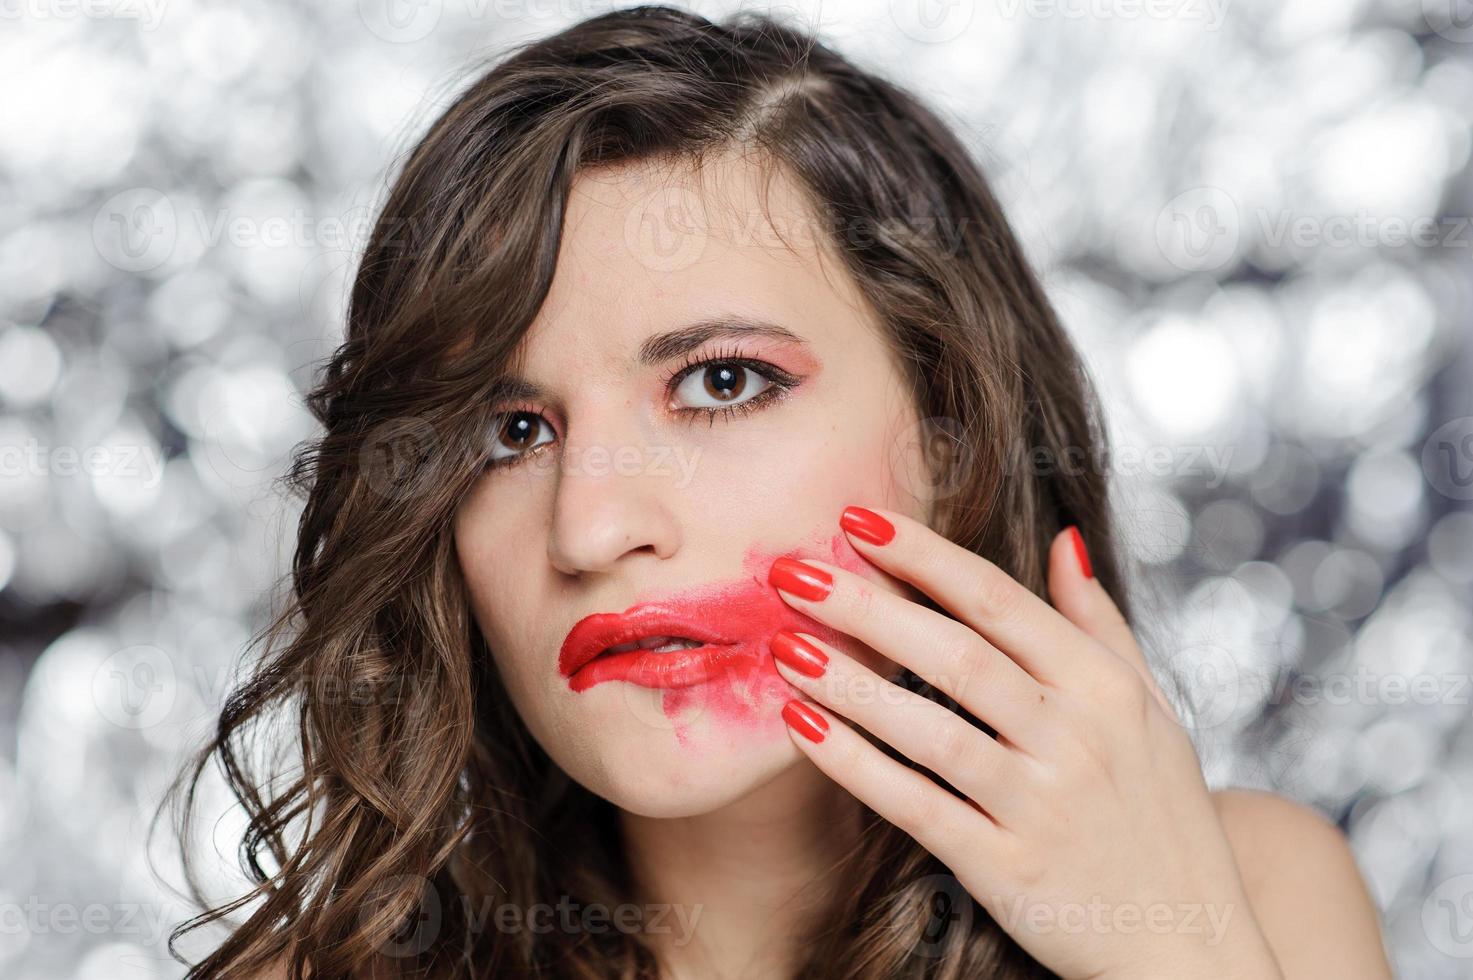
670	669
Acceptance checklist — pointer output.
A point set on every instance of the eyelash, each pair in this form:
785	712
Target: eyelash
780	382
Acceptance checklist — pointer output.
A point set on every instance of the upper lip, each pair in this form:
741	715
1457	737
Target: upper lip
591	635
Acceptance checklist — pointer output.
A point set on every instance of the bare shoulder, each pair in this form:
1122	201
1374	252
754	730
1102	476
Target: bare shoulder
1305	886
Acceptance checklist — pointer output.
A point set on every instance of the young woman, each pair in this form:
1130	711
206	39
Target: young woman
636	633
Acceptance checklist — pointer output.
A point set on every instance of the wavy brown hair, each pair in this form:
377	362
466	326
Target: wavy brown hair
418	795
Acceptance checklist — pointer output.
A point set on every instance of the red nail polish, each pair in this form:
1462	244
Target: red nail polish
807	722
801	579
798	653
1080	552
866	525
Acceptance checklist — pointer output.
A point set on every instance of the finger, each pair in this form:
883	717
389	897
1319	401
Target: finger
947	654
929	734
1080	597
956	833
984	597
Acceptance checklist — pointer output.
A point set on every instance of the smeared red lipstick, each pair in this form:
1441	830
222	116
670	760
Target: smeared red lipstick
732	674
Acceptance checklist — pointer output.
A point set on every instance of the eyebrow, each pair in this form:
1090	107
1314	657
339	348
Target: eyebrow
665	346
662	347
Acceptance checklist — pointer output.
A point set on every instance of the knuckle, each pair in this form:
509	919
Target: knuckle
974	675
1122	688
1093	754
862	603
949	747
997	597
964	666
919	812
851	755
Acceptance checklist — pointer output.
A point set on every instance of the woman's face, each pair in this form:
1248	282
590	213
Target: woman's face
614	491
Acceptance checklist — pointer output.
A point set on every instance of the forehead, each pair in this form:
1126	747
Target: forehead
654	246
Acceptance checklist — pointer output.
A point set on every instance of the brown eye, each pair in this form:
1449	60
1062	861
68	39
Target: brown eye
721	383
514	434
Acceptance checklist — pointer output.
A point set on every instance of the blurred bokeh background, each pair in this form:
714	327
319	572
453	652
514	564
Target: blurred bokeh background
1252	213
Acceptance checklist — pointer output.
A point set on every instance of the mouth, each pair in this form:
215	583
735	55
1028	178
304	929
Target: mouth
661	661
654	644
670	640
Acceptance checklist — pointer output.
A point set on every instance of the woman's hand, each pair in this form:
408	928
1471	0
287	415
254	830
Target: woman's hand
1090	835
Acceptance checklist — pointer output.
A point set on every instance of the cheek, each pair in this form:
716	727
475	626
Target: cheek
866	449
492	592
534	690
805	469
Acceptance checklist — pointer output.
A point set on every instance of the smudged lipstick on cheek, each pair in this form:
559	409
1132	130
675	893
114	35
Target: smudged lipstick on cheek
732	678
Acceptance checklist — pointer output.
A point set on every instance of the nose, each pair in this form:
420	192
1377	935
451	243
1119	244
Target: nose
610	503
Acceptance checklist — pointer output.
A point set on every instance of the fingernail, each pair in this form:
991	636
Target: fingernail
798	653
1081	552
866	525
804	581
803	719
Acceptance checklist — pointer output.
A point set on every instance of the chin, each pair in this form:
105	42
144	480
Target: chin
667	761
684	786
